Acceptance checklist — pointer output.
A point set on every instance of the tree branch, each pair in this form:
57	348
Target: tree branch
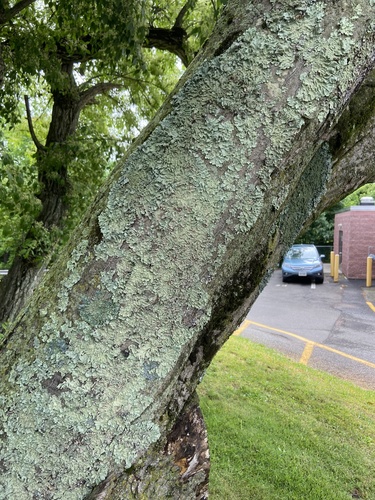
7	14
168	39
171	40
101	88
95	90
38	144
190	4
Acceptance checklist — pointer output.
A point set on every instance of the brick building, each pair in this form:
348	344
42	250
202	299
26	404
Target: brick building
354	238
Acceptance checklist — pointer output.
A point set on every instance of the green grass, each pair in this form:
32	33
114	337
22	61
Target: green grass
279	430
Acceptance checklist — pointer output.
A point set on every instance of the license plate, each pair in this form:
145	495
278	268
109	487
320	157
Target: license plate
302	273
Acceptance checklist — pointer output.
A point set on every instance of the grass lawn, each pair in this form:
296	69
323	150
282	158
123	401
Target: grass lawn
279	430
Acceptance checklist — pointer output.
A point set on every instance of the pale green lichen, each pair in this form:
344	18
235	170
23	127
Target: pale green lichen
73	276
98	310
195	190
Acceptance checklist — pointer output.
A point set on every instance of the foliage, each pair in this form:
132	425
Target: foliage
48	34
355	198
18	186
101	64
279	430
105	45
320	232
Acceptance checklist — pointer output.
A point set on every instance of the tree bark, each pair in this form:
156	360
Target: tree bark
99	373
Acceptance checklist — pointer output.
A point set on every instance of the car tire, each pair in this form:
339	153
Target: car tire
319	281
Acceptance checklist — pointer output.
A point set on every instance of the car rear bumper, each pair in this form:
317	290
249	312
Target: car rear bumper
314	274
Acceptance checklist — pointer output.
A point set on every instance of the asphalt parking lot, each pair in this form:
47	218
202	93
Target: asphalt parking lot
329	327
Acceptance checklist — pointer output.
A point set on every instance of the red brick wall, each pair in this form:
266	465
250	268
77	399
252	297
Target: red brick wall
358	230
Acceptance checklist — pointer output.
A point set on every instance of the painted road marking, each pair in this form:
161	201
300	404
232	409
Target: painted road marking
306	355
371	306
247	323
242	327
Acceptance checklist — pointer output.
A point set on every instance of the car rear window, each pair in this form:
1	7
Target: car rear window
302	253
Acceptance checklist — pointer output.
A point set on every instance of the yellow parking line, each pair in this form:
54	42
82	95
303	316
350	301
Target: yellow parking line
306	355
279	331
242	327
371	306
246	323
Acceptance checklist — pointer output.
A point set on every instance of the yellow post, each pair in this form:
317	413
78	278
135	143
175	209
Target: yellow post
369	272
336	269
332	262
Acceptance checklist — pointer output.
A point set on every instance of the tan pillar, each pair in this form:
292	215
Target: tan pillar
336	269
369	272
332	262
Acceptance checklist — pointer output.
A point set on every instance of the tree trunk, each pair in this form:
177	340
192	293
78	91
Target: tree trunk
52	165
99	373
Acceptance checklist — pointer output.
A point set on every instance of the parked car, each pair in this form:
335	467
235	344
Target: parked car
303	261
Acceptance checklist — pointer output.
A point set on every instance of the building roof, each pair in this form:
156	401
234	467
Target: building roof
367	204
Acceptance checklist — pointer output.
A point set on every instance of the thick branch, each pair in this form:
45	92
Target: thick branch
38	144
171	40
92	92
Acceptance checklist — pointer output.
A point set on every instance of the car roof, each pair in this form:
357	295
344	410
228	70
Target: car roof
303	245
